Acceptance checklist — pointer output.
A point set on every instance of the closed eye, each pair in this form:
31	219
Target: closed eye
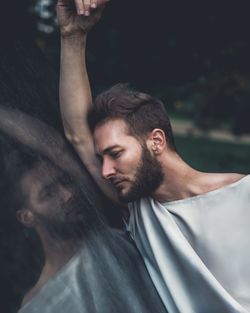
115	154
65	180
99	158
48	191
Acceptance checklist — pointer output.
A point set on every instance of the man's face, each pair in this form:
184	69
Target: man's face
52	199
126	163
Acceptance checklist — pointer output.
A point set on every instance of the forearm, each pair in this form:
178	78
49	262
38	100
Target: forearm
75	102
75	92
76	98
39	137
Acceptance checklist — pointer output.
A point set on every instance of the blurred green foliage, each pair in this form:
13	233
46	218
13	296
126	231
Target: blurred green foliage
218	101
214	156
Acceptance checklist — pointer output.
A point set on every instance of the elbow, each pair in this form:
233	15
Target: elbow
73	138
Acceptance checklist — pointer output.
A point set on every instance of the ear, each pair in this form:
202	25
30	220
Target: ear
26	217
157	141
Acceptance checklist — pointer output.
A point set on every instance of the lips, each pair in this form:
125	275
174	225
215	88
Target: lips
117	182
72	207
72	211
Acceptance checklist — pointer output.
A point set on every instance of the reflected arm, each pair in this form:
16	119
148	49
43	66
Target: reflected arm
39	137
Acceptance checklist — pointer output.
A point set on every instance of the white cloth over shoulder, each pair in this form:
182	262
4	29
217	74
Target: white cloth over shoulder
197	250
99	279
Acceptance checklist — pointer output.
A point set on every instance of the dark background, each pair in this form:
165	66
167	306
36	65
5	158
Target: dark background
194	55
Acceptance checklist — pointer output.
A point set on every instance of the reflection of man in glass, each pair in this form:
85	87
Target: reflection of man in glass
87	267
51	205
47	201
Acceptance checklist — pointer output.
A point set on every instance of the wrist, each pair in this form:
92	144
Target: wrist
74	40
73	47
77	36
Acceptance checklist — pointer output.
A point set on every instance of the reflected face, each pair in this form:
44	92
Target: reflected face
52	199
126	163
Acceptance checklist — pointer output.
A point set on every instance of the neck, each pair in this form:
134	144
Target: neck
57	253
180	180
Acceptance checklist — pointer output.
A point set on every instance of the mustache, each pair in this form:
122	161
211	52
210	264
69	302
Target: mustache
116	180
73	204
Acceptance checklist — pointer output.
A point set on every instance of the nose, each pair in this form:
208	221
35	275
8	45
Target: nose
66	193
108	169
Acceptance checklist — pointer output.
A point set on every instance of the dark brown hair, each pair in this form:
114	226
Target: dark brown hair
140	111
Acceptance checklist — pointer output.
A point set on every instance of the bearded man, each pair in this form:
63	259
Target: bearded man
191	227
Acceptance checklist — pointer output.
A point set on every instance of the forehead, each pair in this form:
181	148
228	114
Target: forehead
113	132
38	176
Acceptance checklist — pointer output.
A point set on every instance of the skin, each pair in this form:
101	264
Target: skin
120	154
52	202
126	162
46	191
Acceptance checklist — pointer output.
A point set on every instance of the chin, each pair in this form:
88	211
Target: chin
124	192
126	197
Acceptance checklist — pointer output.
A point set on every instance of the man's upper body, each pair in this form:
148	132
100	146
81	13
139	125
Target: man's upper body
127	140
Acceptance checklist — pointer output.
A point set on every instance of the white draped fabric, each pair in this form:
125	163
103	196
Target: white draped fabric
197	250
99	280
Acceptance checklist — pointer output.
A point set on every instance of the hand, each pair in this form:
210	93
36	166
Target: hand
71	19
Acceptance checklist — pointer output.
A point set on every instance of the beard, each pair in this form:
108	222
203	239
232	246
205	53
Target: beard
60	231
148	177
62	226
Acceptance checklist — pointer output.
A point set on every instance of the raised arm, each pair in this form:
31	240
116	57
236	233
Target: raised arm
75	93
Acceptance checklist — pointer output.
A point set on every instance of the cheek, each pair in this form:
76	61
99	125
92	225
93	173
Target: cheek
129	161
43	208
46	207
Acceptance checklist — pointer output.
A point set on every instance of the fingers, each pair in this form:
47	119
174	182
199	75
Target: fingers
79	7
84	7
93	4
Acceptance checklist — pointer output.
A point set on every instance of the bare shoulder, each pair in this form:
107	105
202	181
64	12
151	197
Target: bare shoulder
30	294
230	178
34	290
218	180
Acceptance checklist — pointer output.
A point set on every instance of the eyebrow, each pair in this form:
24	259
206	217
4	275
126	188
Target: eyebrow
44	189
50	183
107	150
